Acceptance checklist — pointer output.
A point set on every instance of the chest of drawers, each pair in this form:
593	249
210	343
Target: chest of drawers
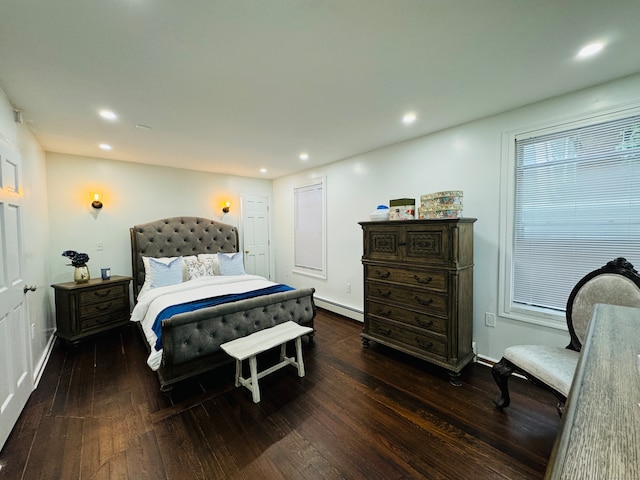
418	287
88	308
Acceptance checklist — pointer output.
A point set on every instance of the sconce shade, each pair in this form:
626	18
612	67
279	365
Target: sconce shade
225	209
97	200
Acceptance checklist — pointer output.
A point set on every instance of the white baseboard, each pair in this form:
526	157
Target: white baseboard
42	363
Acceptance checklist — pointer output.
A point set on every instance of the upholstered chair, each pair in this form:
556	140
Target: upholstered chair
553	368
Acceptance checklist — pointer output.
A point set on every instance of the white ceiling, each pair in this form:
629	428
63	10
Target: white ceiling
237	85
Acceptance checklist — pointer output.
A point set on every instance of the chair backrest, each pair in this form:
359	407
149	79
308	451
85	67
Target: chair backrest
617	283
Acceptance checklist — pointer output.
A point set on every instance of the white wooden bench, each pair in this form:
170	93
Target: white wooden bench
251	345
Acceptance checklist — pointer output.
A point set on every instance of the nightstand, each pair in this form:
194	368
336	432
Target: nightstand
83	309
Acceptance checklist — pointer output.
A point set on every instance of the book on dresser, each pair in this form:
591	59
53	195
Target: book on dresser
418	289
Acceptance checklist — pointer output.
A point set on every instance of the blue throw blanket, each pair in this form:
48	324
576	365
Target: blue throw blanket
209	302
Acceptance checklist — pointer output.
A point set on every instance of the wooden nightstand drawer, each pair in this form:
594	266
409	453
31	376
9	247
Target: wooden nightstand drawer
114	318
88	308
114	305
101	294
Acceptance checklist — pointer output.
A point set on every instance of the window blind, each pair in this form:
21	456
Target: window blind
309	248
577	207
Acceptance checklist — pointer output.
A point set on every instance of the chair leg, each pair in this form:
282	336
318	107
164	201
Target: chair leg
501	372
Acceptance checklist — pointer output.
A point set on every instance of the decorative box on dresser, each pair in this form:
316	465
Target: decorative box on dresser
418	288
83	309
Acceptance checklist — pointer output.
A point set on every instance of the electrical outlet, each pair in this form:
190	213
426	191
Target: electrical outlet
490	319
348	288
99	246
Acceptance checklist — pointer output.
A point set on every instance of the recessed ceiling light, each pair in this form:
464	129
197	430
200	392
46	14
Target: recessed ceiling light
263	170
108	115
105	146
589	50
304	156
409	118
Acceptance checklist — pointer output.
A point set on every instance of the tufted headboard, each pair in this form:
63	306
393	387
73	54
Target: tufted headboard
176	237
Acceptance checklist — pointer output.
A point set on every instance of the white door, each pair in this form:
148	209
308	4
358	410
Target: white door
255	234
15	370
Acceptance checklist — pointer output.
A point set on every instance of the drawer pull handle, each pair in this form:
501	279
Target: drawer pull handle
420	280
423	345
402	244
379	274
381	312
426	303
424	324
101	294
384	294
103	307
384	331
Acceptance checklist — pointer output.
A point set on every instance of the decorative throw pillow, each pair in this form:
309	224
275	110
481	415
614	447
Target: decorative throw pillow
146	286
231	263
210	262
194	267
160	272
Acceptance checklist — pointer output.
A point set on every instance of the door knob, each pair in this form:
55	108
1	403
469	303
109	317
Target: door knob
246	251
28	288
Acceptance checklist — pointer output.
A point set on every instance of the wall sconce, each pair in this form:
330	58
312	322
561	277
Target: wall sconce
97	200
225	209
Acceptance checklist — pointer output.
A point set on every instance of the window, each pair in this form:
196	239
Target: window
575	206
309	229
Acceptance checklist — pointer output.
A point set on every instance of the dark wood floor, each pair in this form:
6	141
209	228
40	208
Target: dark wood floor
359	413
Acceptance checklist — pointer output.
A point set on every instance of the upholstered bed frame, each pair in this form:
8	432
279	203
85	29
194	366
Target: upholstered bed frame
192	340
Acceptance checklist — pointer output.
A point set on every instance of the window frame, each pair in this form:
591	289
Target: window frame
321	271
506	307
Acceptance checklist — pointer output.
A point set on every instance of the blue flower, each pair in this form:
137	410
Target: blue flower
77	259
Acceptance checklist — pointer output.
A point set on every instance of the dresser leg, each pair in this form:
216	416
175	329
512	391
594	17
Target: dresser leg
365	342
454	379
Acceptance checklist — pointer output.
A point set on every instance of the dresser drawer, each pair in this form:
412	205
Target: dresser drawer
424	300
103	307
102	294
114	317
432	279
432	324
407	337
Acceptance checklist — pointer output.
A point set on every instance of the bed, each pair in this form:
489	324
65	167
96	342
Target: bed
190	340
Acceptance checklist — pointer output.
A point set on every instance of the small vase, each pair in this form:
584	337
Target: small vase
81	274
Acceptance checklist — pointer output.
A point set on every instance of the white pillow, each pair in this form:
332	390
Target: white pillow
231	263
159	271
194	268
211	264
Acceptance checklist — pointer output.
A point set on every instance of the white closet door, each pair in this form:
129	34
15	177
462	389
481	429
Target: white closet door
16	381
255	235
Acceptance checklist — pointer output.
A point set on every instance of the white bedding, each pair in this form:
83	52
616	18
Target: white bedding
152	302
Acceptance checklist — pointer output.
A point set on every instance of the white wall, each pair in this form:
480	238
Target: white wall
132	194
468	158
35	229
